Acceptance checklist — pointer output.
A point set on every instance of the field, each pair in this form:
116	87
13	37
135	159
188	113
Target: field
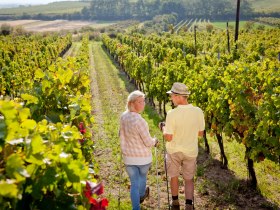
223	25
266	6
64	7
56	25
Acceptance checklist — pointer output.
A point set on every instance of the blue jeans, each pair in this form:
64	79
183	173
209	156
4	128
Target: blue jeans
138	178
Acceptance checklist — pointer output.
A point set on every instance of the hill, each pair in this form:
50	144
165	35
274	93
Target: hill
63	7
143	10
265	5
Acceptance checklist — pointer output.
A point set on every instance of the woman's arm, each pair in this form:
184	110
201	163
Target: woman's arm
143	130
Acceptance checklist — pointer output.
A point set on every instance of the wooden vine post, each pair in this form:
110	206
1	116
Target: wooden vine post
237	22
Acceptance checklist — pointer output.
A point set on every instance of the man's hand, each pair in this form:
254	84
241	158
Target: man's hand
161	125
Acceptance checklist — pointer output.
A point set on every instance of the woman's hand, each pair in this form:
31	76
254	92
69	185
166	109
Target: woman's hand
156	143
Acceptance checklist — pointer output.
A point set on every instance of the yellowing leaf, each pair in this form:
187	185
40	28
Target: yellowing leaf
8	189
37	144
39	74
46	84
64	76
29	98
36	159
24	114
28	124
15	167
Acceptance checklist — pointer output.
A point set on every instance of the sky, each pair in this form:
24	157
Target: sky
22	2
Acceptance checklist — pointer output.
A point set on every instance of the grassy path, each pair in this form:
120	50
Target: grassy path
110	90
74	49
109	101
215	188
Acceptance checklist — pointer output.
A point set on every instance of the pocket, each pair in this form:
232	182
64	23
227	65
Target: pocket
168	160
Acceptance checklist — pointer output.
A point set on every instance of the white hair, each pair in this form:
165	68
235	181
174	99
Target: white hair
132	97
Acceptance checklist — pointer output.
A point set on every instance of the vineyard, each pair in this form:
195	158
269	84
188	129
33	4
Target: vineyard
61	101
238	88
45	108
270	21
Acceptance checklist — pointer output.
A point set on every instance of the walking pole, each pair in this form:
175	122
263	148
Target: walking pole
120	176
157	178
193	202
164	149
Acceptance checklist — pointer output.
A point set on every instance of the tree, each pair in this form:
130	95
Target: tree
124	9
6	29
246	9
169	7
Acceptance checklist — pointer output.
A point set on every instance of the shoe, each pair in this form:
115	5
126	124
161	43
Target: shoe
188	207
147	193
175	205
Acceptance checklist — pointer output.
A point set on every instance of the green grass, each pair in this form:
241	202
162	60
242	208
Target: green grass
223	24
73	51
267	172
111	105
114	88
63	7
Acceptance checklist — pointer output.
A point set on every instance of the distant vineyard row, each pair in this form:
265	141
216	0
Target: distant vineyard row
270	21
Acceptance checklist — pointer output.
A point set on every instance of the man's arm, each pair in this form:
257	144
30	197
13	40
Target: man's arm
200	133
167	137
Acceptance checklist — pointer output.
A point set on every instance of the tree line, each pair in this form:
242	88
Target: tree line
148	9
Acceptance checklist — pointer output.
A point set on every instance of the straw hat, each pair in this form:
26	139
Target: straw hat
179	89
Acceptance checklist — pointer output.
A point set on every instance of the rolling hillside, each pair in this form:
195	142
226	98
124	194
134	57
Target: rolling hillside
63	7
76	6
266	5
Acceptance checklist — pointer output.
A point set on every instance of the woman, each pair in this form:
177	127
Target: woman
136	144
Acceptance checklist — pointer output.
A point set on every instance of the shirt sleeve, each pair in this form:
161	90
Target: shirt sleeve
201	121
143	129
169	125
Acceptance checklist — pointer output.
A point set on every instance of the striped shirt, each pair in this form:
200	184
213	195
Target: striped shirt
136	141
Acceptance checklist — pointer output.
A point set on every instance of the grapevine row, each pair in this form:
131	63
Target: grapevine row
21	57
45	146
240	97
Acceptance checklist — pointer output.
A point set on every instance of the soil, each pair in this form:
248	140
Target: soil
53	26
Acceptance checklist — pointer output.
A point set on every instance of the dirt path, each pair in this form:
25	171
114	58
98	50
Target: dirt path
215	188
96	101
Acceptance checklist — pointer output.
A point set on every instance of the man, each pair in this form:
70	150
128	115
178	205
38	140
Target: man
183	126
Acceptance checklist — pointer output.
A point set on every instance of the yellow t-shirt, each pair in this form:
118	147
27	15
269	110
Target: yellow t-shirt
184	122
